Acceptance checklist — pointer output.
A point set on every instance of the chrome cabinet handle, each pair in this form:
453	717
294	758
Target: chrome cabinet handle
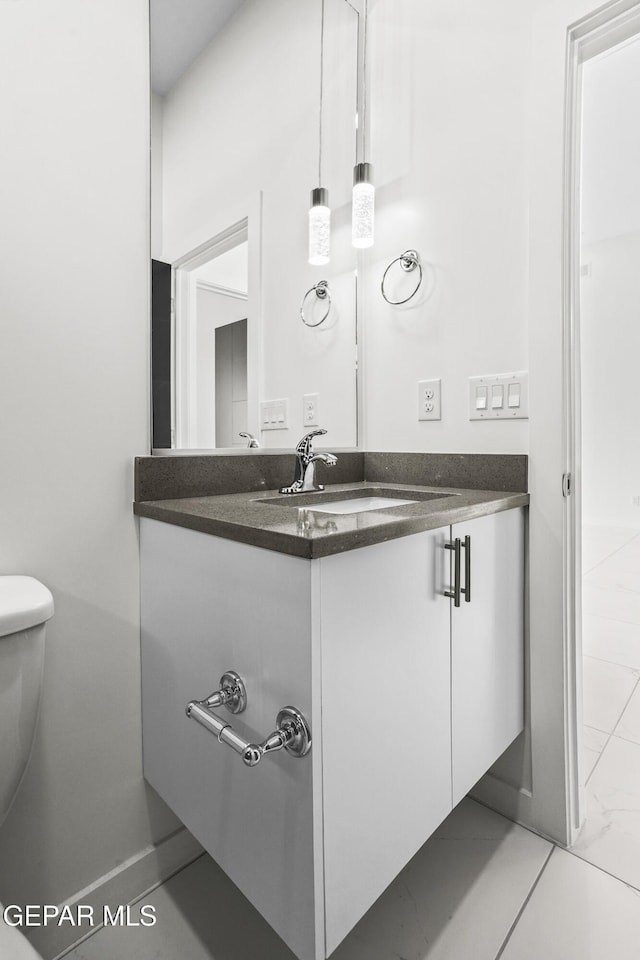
455	593
467	569
458	589
292	731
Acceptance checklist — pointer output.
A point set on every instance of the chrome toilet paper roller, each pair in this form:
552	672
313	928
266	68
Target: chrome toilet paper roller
292	731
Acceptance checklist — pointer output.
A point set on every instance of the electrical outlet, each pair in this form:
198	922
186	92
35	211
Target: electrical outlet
635	500
310	410
429	406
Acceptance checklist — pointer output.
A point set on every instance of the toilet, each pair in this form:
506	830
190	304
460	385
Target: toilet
25	607
13	946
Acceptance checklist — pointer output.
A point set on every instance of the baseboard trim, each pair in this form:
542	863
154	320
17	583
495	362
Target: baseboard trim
512	802
126	884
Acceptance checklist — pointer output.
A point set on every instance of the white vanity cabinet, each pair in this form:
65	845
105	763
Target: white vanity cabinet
409	700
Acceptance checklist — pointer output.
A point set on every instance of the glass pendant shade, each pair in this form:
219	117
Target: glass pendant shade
362	209
319	227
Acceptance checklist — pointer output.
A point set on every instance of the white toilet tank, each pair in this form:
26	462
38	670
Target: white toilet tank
25	607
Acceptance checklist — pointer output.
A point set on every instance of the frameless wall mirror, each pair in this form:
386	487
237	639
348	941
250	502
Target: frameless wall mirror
236	147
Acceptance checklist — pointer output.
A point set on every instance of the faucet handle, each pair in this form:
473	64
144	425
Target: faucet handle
304	446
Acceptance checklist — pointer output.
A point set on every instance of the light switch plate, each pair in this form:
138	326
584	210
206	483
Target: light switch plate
274	414
514	388
429	400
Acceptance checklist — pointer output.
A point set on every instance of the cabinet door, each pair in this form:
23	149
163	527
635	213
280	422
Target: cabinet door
385	705
487	647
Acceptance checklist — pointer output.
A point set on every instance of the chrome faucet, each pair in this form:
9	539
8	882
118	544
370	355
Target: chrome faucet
304	479
253	443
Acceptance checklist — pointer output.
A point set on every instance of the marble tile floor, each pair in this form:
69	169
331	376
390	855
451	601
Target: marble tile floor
601	543
482	888
610	838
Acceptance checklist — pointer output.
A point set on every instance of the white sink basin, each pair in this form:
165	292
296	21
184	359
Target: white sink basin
358	505
353	501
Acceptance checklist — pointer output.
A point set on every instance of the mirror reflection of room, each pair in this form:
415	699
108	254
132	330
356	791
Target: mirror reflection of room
229	150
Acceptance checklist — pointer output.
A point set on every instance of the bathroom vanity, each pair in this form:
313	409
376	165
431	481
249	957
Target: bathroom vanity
398	635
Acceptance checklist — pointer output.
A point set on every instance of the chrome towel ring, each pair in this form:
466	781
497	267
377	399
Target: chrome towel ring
408	261
321	289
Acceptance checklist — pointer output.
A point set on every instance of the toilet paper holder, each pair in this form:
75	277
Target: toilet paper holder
292	731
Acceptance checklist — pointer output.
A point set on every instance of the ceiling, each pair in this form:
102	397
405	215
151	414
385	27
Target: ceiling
180	30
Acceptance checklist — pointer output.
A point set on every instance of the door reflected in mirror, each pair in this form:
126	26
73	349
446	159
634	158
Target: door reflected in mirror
211	321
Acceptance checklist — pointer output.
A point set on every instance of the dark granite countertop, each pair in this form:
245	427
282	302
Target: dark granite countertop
292	526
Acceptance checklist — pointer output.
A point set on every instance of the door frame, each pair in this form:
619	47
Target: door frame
595	34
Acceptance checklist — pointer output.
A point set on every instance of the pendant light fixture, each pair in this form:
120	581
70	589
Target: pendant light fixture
319	213
362	207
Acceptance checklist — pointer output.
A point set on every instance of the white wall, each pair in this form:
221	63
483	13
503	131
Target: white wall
229	270
74	251
448	140
156	176
610	288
